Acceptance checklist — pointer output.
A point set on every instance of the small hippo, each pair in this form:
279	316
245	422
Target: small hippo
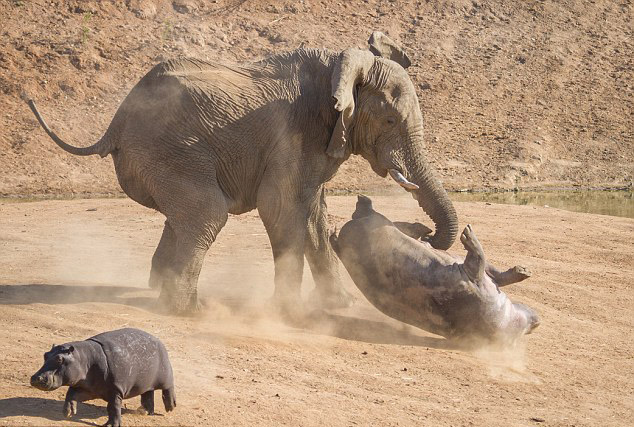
409	280
112	366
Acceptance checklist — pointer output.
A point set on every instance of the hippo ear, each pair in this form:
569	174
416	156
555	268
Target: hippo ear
52	347
70	349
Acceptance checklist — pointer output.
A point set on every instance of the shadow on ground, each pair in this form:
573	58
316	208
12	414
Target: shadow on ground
66	294
49	409
370	331
320	322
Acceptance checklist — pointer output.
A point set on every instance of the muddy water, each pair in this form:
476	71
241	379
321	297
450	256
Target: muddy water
615	203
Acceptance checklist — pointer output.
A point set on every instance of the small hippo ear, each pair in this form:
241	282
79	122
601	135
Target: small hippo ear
52	347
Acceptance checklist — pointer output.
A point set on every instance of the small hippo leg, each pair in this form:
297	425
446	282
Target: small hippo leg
415	230
147	401
512	275
169	399
114	411
475	261
74	395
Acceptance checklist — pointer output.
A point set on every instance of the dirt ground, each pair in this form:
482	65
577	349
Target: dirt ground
71	269
514	94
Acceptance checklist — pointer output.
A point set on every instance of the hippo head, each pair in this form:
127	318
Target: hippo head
60	368
525	319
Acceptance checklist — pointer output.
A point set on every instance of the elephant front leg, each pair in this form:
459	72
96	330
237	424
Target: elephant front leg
324	265
287	235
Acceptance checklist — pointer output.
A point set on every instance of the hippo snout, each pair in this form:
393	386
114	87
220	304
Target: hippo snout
43	382
38	381
533	324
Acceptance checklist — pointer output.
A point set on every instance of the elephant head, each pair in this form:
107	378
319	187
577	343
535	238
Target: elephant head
380	119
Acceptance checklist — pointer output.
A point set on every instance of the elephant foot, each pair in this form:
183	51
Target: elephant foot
183	303
288	307
333	299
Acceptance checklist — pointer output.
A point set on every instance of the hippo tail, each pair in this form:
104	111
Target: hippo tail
334	242
364	207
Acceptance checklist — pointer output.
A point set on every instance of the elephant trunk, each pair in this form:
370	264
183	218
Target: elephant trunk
433	198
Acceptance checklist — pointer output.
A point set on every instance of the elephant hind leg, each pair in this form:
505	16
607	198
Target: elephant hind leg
195	218
162	257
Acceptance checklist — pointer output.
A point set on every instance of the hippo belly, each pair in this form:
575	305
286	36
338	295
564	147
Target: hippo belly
406	280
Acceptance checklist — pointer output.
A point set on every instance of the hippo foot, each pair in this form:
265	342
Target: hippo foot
70	408
338	298
521	273
470	241
169	399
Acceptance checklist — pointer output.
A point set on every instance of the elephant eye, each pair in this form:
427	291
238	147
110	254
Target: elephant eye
391	120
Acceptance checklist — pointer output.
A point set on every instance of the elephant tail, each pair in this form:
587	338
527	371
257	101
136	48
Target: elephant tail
103	147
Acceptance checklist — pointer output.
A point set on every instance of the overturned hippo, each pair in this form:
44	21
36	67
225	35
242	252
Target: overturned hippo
409	280
111	366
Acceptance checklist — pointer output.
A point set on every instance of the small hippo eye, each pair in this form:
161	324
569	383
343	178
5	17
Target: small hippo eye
59	359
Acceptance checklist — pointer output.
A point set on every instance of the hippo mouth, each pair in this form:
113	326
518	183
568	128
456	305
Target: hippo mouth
532	327
43	384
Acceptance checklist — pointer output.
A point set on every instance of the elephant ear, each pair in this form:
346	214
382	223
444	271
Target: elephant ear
382	45
351	69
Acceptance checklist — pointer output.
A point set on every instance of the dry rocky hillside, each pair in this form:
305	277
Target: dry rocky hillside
529	94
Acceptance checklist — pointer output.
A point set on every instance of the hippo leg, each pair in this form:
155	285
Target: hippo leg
415	230
512	275
114	411
147	401
475	260
169	399
74	395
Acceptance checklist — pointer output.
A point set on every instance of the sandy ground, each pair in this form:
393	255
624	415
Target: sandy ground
71	269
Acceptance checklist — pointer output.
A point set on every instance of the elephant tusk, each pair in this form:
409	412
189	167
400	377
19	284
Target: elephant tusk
402	181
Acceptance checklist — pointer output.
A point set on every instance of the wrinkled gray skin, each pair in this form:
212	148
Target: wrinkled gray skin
411	281
112	366
197	140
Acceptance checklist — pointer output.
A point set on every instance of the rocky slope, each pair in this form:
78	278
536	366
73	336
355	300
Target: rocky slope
527	94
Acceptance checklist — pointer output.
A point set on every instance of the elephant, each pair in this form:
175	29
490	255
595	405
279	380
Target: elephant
197	140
